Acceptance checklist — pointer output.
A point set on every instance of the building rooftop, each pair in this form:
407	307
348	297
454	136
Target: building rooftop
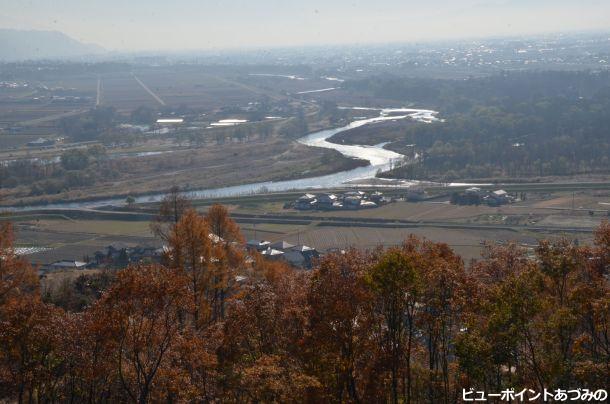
170	120
303	248
69	264
257	243
270	252
281	245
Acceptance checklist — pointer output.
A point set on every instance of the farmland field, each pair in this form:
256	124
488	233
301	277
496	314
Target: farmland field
122	91
197	89
70	238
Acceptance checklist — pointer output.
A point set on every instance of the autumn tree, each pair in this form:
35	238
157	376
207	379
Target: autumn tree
408	324
504	335
601	253
90	353
419	290
191	250
393	281
209	261
263	339
443	300
143	312
489	347
341	347
592	346
17	278
29	330
30	359
538	323
226	238
221	224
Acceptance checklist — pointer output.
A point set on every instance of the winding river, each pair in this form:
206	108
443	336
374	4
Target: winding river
379	158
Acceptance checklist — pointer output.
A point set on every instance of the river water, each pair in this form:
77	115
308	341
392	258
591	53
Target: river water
379	158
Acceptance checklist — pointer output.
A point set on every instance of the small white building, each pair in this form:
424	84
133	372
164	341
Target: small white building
170	121
273	254
258	245
281	245
306	202
326	201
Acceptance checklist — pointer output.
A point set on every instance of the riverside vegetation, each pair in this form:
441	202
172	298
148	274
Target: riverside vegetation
509	125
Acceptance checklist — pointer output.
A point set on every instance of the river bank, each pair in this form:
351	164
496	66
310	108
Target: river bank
379	160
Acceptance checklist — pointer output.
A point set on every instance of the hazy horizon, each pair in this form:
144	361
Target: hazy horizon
190	25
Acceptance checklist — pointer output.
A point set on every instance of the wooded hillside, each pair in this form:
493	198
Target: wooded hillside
409	324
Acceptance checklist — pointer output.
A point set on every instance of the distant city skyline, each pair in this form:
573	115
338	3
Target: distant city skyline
140	25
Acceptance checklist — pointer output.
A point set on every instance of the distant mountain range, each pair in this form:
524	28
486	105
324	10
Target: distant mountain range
18	45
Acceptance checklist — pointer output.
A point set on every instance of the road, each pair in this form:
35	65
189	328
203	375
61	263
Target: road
99	92
54	117
148	90
95	214
246	87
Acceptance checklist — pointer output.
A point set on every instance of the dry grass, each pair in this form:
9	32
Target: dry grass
101	227
210	167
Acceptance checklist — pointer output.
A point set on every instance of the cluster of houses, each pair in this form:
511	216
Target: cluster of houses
41	142
478	196
120	256
300	256
350	200
113	256
64	265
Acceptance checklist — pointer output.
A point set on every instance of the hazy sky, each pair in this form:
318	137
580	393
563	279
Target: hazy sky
205	24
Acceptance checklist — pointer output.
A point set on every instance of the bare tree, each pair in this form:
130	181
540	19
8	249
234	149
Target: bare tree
172	207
